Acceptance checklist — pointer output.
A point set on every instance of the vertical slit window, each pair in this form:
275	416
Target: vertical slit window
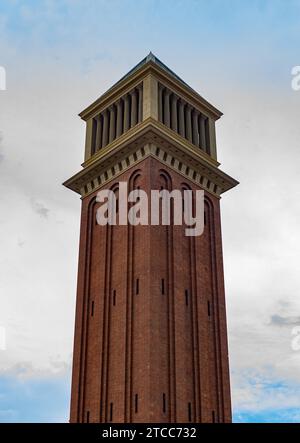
92	309
193	206
186	297
88	416
111	411
114	297
190	411
213	416
163	286
164	403
208	308
137	286
136	399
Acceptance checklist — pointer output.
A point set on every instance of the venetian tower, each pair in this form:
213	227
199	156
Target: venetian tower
150	333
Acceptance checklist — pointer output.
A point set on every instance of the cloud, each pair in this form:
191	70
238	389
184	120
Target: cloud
261	397
278	320
39	208
20	242
48	399
64	70
284	415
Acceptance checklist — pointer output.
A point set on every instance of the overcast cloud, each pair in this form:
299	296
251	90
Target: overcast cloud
59	57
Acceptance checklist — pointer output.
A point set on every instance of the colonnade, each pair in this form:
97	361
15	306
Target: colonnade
117	118
183	118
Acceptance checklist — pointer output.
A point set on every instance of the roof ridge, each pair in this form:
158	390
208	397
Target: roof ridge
150	58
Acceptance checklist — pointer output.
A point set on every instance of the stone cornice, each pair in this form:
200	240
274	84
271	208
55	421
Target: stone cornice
138	76
150	138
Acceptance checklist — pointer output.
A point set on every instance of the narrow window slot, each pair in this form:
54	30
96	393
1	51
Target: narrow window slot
136	399
111	412
114	297
208	308
164	403
190	411
94	129
186	297
213	417
163	286
92	309
137	286
205	221
88	416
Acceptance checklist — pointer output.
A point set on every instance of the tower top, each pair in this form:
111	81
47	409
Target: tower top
150	111
152	58
153	64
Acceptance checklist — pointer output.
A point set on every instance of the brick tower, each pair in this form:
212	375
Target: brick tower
150	334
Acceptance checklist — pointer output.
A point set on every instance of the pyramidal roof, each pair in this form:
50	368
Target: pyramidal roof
151	58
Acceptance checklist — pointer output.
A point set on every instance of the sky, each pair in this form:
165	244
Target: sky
59	56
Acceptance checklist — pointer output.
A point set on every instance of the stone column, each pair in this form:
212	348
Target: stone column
126	112
134	110
140	102
188	126
212	145
150	98
160	102
166	102
181	121
174	100
119	118
89	139
98	133
105	128
195	126
112	123
202	132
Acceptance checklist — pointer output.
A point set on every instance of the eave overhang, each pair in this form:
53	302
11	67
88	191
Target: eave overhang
151	138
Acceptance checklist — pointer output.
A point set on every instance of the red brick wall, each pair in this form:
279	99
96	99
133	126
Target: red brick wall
151	356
